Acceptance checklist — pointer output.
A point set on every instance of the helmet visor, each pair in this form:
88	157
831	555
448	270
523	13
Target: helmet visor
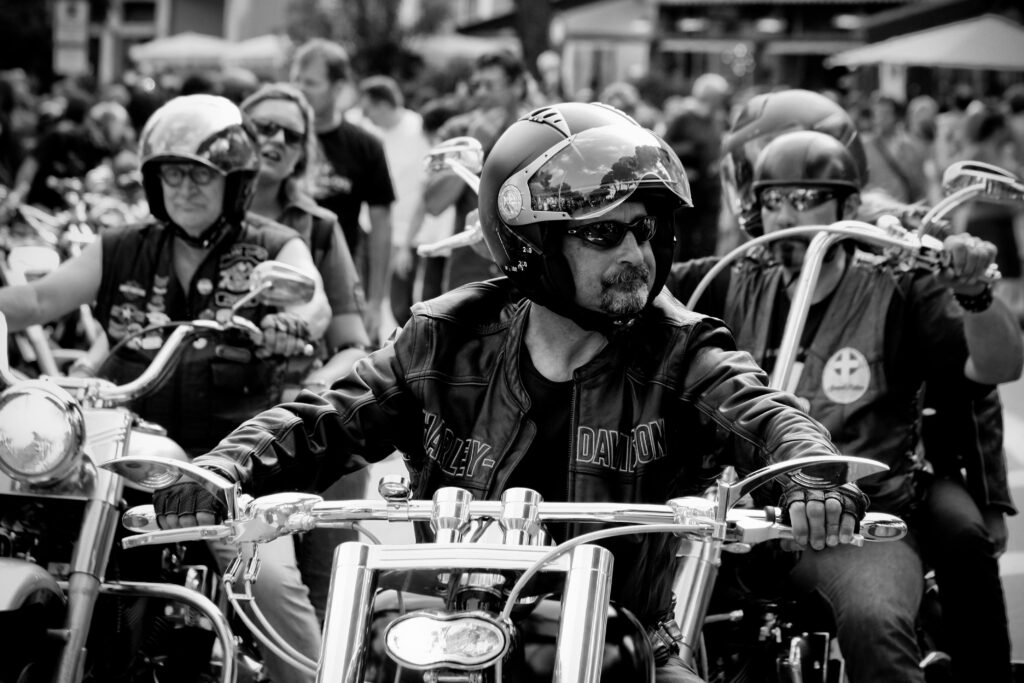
589	174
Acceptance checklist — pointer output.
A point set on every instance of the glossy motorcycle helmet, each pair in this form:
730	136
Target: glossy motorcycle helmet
807	159
762	119
574	161
202	129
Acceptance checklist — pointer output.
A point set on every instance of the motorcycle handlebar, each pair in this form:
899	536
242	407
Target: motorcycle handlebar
280	514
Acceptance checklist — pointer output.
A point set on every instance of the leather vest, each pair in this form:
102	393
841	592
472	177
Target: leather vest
843	380
219	382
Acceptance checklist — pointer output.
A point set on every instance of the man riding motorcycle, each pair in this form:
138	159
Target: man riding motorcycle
874	336
191	260
575	375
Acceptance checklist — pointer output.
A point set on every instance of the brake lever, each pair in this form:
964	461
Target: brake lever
210	532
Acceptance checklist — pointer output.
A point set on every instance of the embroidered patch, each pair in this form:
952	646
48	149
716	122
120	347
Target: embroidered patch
846	376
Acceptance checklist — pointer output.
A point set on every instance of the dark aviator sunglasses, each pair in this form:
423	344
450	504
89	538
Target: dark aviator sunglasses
609	234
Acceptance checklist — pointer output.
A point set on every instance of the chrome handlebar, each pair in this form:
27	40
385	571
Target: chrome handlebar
271	517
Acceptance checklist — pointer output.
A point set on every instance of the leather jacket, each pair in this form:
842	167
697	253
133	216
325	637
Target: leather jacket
654	415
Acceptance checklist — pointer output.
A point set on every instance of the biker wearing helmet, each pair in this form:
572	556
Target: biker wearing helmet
875	334
762	119
191	260
577	351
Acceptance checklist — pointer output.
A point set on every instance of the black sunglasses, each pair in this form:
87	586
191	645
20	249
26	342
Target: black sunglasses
800	198
268	129
609	234
174	174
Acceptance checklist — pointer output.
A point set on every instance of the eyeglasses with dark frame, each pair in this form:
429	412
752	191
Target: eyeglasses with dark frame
800	198
174	174
268	129
609	234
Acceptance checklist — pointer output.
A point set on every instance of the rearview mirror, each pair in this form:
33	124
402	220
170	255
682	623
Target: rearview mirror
995	183
464	150
273	283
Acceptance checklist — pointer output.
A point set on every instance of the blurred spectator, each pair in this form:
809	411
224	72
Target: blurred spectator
401	131
283	122
10	150
1014	100
989	138
498	86
70	151
921	113
549	66
895	163
625	96
695	135
353	168
204	83
237	83
949	127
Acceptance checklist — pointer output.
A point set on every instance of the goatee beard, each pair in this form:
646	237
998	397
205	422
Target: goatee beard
626	292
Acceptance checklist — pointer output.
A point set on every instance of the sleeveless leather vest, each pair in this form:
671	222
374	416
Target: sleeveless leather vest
844	379
219	382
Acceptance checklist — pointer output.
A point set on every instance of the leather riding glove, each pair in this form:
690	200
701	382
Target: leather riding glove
186	498
852	500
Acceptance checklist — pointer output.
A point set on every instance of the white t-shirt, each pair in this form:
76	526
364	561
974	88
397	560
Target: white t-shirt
405	147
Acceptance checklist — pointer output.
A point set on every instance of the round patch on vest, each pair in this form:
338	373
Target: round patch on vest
846	376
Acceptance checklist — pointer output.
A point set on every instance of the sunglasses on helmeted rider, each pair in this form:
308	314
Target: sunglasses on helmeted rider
268	129
800	198
174	174
609	234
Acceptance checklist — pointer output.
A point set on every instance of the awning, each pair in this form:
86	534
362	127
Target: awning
987	42
806	47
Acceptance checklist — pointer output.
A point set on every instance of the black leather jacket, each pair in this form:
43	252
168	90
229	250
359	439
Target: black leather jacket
653	415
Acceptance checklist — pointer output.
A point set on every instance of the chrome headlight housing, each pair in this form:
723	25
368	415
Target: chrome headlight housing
462	640
42	430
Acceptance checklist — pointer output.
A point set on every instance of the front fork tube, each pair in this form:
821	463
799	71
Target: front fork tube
584	619
88	567
349	612
697	568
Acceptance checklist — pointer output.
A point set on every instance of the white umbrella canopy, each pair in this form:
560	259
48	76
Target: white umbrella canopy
990	41
262	53
188	49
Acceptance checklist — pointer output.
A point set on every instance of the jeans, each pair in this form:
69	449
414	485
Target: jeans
875	593
957	545
316	548
283	598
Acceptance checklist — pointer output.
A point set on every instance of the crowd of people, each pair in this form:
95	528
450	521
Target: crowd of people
326	172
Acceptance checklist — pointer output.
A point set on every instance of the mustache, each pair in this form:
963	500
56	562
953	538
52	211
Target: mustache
629	275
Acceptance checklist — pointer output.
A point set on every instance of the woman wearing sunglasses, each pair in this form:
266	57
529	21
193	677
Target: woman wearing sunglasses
282	121
875	336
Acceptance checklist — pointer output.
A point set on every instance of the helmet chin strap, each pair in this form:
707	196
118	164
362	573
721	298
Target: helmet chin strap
206	239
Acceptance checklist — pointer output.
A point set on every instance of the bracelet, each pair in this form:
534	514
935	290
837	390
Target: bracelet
975	303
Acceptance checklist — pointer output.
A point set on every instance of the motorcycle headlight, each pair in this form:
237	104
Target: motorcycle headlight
41	432
427	640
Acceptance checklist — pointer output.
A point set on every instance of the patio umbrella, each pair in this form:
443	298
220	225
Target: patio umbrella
990	41
182	50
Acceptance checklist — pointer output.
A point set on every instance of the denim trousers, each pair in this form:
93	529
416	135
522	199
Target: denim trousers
315	548
875	592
